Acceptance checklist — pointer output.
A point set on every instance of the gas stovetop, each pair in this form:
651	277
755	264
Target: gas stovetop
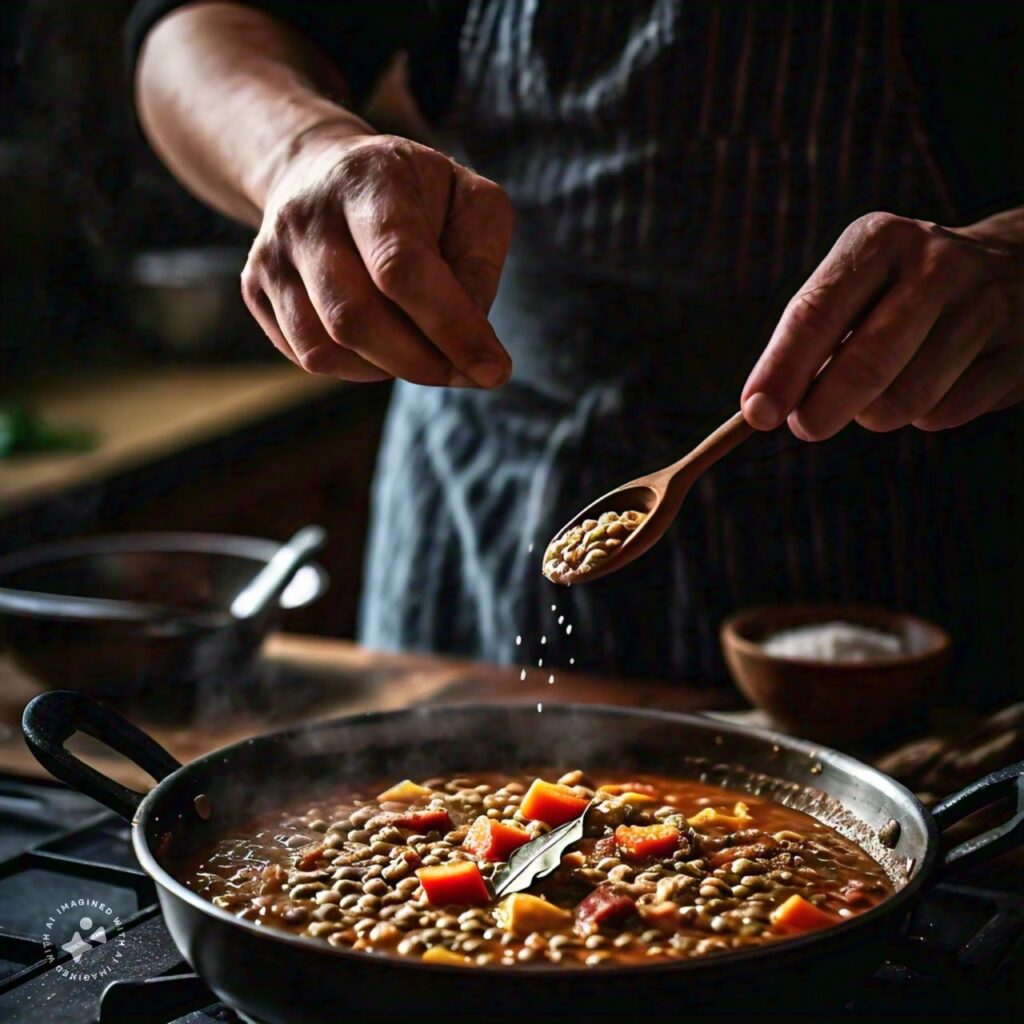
82	938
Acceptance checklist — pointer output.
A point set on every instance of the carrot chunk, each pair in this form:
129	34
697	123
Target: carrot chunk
440	955
799	915
458	882
309	856
551	803
492	840
643	842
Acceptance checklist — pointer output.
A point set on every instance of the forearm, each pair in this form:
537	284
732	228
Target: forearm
225	94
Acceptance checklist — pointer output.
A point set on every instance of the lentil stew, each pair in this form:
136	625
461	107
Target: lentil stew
667	869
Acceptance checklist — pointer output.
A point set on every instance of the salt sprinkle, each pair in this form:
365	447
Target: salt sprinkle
522	675
543	639
554	607
519	641
568	629
551	679
540	663
540	708
561	619
572	661
529	550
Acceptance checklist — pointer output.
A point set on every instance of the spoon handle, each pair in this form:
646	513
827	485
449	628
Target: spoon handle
718	443
267	586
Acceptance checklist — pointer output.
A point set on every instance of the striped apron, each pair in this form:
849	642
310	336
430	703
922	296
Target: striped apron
676	167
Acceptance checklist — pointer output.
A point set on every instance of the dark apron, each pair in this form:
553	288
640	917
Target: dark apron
676	169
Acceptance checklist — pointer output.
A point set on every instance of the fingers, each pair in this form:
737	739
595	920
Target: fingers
355	316
816	320
954	343
289	320
476	236
405	264
868	362
992	382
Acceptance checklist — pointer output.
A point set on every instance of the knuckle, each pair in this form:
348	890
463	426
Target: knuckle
340	318
810	312
318	360
391	266
862	368
878	222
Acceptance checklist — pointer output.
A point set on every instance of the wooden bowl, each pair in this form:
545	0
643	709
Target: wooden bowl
836	702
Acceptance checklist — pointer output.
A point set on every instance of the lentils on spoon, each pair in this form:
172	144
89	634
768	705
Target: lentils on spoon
575	552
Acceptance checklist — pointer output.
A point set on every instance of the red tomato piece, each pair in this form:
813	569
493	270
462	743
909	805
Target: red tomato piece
493	840
551	803
459	882
645	842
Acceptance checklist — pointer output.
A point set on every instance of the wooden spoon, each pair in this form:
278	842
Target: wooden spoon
658	495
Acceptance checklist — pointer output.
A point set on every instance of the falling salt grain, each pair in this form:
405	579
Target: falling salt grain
522	676
540	708
519	641
543	639
529	550
551	679
554	607
561	619
540	663
572	661
568	629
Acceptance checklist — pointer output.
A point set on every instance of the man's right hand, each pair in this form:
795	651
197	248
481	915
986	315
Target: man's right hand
378	257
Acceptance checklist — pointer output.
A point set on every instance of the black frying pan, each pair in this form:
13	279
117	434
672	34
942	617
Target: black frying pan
273	976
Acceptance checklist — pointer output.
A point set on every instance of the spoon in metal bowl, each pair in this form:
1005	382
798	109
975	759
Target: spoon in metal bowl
263	590
658	496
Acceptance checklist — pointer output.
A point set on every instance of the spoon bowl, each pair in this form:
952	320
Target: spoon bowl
658	496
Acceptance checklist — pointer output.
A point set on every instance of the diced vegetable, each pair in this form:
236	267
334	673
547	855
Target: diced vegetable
740	818
440	955
522	914
551	803
604	847
309	856
420	821
492	840
644	842
604	906
457	882
799	915
406	792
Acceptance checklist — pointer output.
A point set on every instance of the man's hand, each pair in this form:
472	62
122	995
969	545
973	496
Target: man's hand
904	322
378	257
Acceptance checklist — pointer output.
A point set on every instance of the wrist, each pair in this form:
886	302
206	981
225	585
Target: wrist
321	125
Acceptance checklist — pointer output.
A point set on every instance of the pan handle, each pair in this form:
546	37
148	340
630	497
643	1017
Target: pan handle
1007	783
51	719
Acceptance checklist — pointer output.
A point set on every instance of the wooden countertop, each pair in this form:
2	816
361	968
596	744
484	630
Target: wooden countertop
140	415
319	678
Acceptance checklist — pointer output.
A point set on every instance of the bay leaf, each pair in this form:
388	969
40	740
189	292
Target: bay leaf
539	857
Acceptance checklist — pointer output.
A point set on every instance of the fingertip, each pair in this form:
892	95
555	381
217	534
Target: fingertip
761	411
489	372
796	427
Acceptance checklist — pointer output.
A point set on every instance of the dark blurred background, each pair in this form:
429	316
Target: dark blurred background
124	326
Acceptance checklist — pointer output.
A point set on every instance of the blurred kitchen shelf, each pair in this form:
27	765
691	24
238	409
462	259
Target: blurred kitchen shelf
141	415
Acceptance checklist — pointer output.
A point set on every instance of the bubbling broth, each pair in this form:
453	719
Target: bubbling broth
666	869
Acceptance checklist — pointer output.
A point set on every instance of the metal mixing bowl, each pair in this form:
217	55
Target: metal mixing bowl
77	643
